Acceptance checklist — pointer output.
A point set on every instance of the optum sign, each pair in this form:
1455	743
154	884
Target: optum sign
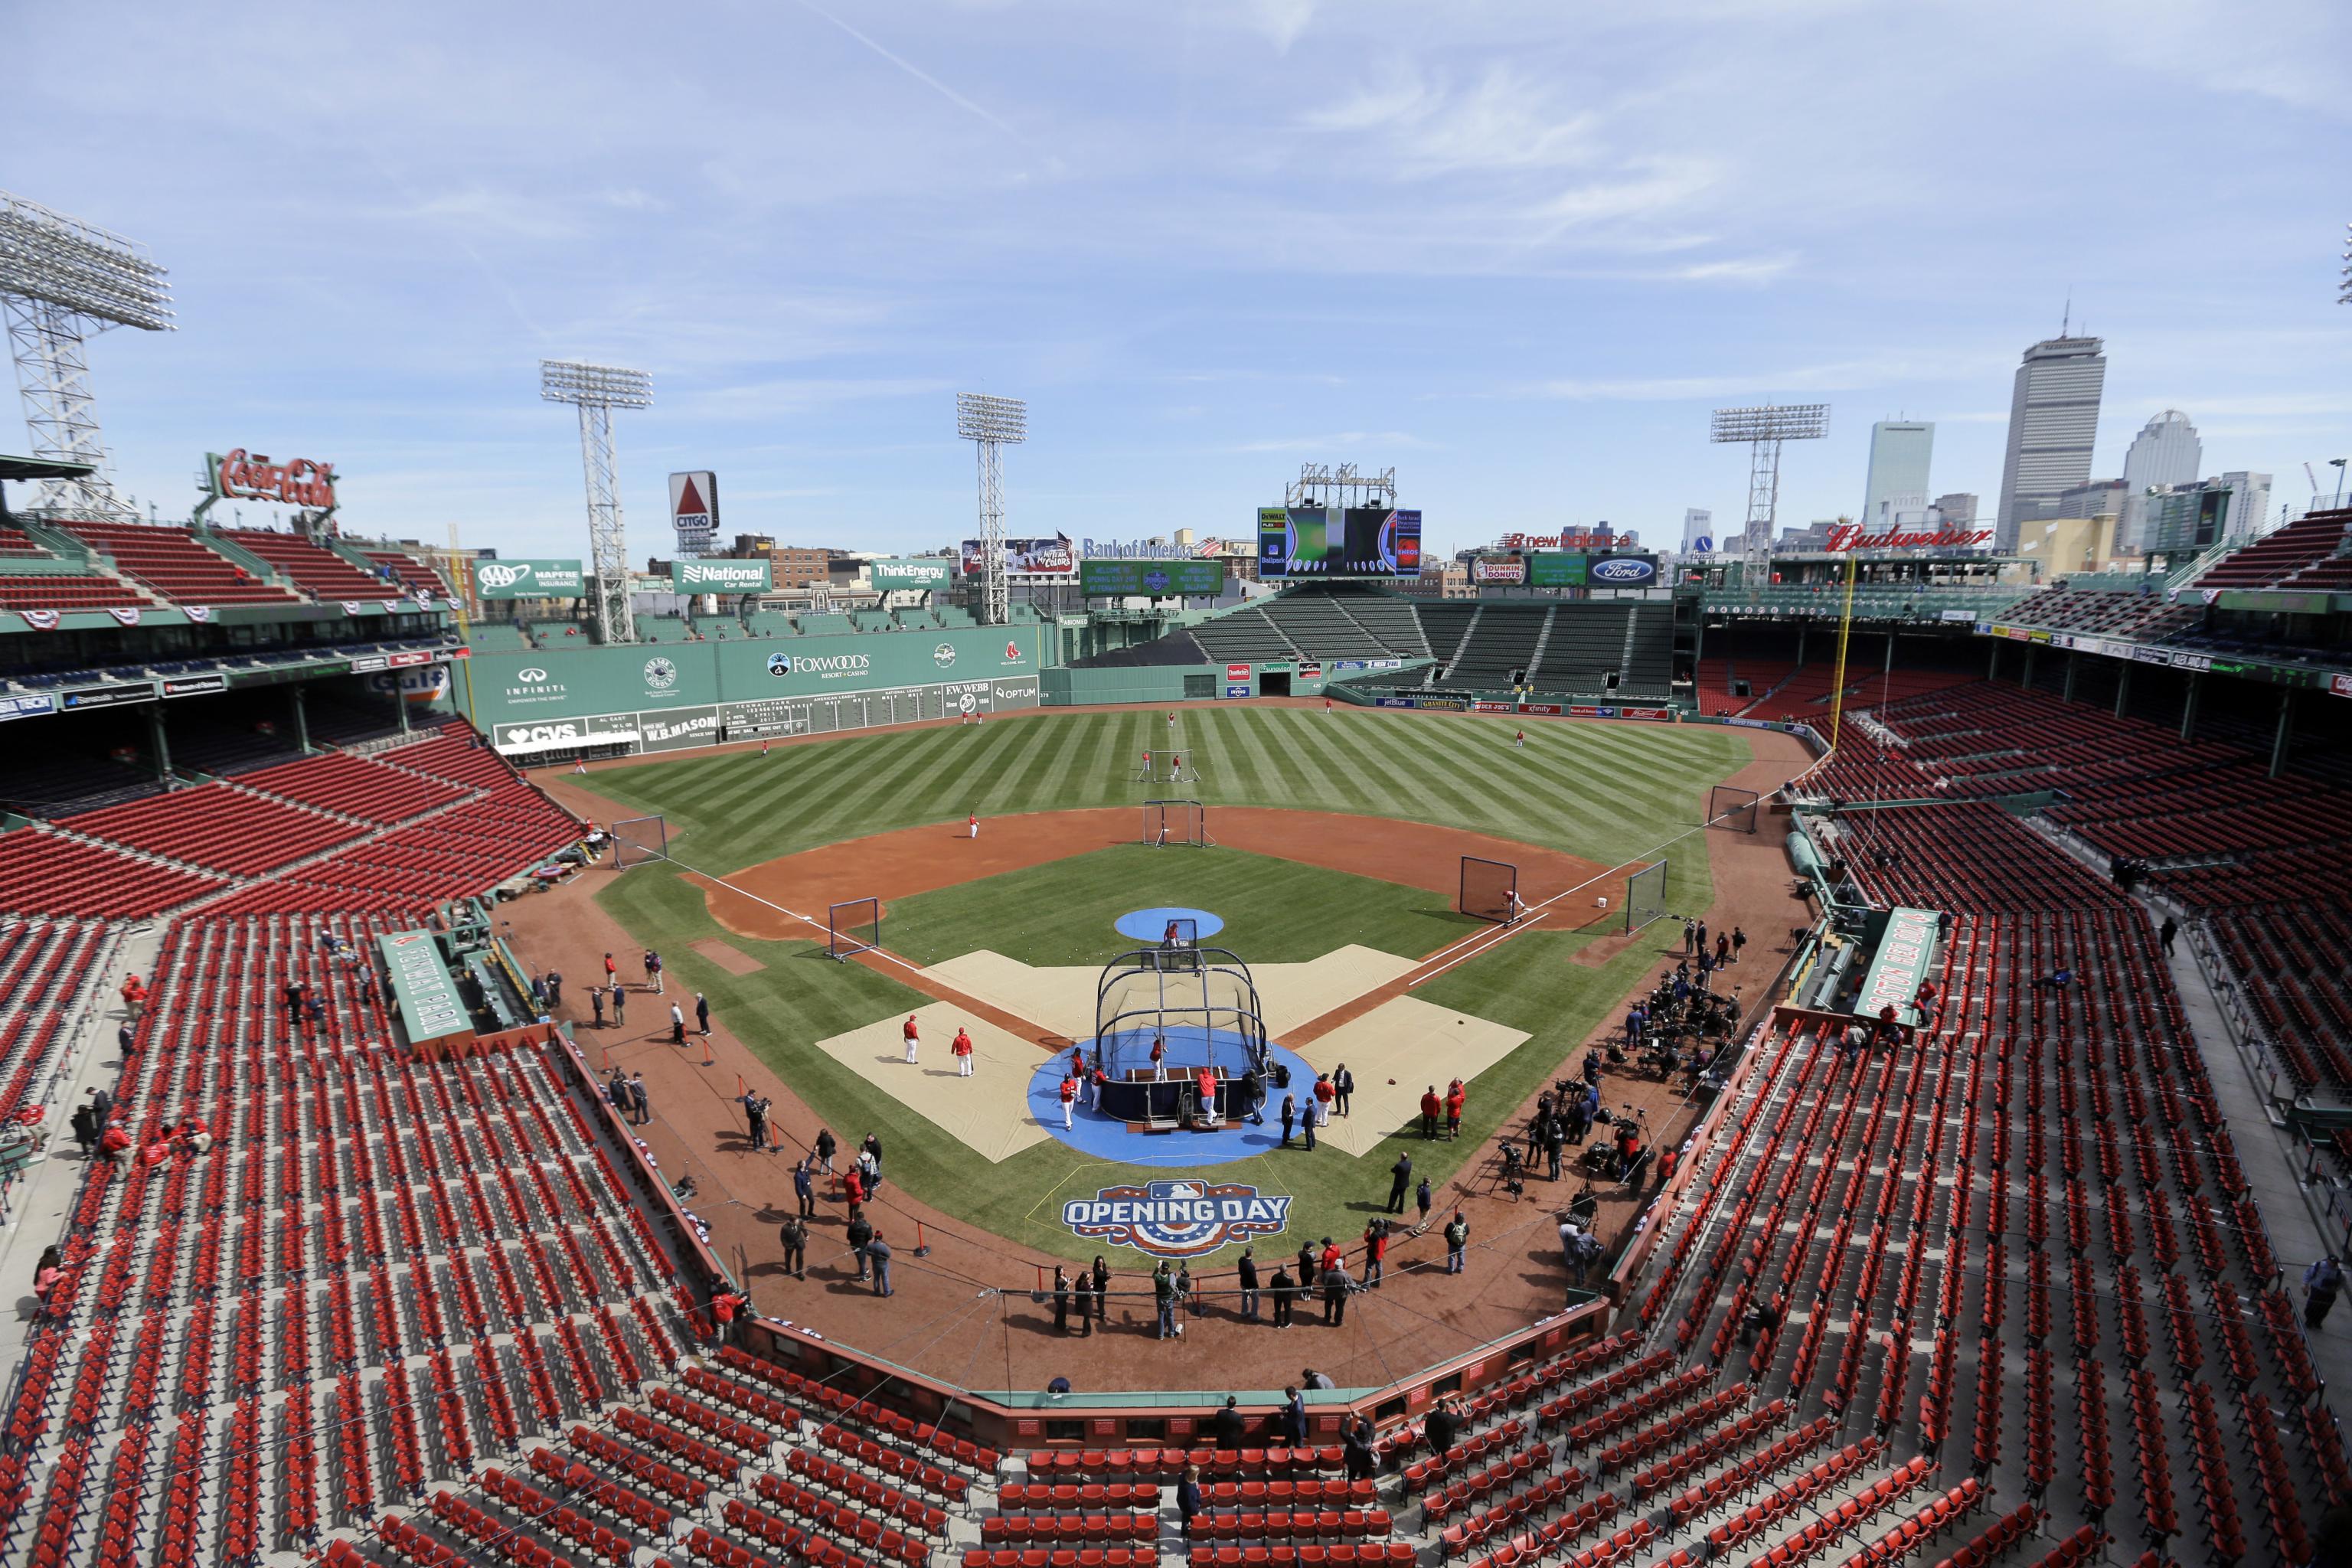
716	576
528	580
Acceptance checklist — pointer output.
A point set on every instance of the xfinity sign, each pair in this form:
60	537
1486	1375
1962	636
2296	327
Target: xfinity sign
717	576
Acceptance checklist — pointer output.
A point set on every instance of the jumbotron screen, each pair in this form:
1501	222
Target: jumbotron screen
1361	541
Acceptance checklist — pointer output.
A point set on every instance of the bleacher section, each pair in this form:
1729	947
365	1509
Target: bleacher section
177	566
64	595
43	873
351	786
1444	624
2019	1246
1331	623
1587	645
218	826
1246	636
44	966
410	572
312	568
2120	615
381	1270
2274	560
1505	640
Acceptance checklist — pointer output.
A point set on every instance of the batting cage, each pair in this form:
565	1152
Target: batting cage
853	928
1178	1037
1730	806
1490	890
1167	822
1645	896
639	839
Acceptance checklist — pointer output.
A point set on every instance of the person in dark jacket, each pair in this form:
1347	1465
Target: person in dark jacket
1248	1285
1284	1289
1061	1299
1102	1290
1400	1183
1227	1425
1188	1498
860	1233
1294	1416
796	1248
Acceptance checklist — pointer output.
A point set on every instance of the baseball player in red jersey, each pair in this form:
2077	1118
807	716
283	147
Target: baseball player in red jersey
1520	740
913	1036
972	824
1069	1097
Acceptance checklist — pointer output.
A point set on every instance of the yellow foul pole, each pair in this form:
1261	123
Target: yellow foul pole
1845	629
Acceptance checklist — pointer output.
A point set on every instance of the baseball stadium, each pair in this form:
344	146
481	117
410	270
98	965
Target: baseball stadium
1658	1062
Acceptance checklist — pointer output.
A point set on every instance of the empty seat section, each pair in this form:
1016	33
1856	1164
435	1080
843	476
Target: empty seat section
177	564
351	786
65	594
41	873
313	568
218	826
1243	635
1502	641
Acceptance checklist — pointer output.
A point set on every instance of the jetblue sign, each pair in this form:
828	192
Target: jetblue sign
1176	1219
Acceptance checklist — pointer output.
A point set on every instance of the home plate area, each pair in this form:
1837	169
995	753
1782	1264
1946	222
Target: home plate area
1011	1101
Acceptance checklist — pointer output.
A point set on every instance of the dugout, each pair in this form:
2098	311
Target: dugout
1201	1006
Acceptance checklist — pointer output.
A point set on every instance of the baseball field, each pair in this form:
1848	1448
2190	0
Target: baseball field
1333	874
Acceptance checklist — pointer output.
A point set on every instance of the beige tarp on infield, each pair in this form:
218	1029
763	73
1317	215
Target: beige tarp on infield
988	1112
1062	998
1414	1043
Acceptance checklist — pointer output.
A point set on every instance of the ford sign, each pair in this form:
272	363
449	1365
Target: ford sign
1625	571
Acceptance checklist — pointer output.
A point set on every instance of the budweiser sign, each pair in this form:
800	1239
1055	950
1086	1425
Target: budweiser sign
241	476
1851	536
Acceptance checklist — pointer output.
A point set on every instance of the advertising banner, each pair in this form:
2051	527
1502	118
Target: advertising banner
711	575
2339	685
1623	572
694	510
924	574
195	685
1155	579
565	734
530	580
1539	707
237	476
1237	672
1309	541
1028	560
1558	569
1243	691
423	994
107	696
678	729
1503	568
1493	707
26	707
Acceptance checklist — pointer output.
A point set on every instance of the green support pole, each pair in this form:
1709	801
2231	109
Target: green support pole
1992	662
2027	678
2189	706
2074	663
1890	653
2123	690
400	705
158	742
301	720
2285	739
1801	640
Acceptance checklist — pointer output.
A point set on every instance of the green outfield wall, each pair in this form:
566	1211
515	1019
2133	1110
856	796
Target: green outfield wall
661	697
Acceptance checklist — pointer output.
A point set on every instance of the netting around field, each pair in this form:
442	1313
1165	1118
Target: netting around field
852	927
1645	896
1731	807
638	839
1198	1003
1489	890
1167	822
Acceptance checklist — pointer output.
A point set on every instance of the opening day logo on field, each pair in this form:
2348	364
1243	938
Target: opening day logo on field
1177	1219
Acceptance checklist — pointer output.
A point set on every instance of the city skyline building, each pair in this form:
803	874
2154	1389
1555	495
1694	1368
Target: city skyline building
2166	451
2249	503
2053	420
1698	522
1957	508
2092	497
1901	451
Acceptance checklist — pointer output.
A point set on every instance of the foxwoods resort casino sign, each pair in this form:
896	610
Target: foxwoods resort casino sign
1176	1219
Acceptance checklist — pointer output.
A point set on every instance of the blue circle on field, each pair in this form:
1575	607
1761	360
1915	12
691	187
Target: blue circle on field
1151	925
1105	1138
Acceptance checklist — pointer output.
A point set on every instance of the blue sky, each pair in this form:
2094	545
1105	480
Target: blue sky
1515	250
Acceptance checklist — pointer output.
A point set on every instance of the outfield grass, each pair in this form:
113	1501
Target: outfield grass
1276	911
1605	792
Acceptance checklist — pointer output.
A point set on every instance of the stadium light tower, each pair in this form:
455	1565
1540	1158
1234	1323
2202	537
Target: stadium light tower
63	281
991	423
597	389
1764	427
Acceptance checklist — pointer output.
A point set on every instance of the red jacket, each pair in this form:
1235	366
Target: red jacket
1429	1104
1454	1105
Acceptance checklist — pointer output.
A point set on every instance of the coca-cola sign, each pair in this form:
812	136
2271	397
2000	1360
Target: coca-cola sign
239	475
